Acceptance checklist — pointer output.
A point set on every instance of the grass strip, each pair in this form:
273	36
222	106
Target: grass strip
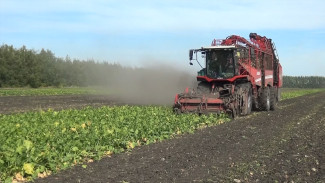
45	91
288	93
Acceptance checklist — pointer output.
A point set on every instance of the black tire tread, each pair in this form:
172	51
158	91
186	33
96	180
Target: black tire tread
272	98
263	99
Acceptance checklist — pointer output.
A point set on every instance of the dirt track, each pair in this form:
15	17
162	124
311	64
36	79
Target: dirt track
285	145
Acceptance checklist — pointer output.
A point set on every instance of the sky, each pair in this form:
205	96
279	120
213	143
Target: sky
151	32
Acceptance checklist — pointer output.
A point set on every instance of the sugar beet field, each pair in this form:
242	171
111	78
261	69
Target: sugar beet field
77	135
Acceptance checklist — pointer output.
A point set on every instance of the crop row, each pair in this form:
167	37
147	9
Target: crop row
37	143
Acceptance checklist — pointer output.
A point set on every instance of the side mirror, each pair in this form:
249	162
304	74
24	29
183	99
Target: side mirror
191	55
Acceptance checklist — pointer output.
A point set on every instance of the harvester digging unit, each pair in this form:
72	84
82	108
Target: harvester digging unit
239	75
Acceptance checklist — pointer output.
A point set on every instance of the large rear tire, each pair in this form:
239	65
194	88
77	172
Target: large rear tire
265	99
249	104
273	99
278	97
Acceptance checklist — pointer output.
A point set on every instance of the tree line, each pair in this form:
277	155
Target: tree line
24	67
303	82
28	68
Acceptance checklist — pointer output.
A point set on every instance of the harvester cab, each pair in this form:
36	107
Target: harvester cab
238	75
219	61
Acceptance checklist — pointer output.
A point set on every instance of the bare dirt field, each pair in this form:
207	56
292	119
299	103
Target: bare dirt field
14	104
286	145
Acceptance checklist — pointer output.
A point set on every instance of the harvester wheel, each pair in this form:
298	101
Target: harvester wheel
232	112
244	99
278	94
273	98
265	99
249	103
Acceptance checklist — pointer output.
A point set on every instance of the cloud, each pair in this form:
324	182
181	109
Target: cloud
116	17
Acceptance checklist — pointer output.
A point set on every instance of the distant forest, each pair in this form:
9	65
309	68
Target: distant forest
303	82
29	68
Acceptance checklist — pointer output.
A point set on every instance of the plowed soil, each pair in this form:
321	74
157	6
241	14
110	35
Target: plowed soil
14	104
286	145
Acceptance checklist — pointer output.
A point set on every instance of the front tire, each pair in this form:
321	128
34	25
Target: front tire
244	99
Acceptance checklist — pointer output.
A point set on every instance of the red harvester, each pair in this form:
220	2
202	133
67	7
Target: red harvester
239	75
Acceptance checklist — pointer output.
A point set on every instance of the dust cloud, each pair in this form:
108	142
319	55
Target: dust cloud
156	85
